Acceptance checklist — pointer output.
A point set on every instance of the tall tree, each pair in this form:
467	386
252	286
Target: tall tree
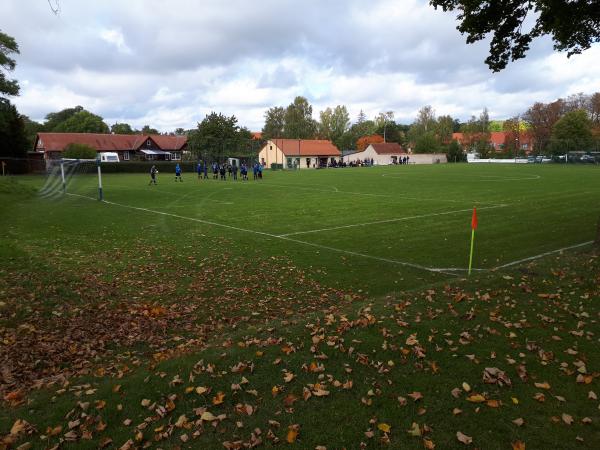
443	129
215	137
595	109
32	128
476	134
274	122
83	122
121	128
364	141
512	134
334	123
424	123
13	140
299	123
573	25
147	129
572	132
541	118
362	117
8	46
54	119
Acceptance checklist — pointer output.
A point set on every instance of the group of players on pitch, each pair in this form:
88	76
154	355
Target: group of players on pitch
219	171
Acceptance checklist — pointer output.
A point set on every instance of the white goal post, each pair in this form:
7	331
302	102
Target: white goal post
97	161
64	172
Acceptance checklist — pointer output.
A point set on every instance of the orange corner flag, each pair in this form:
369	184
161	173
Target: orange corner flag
474	219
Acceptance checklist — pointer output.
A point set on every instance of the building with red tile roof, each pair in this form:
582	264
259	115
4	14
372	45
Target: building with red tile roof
499	140
127	146
382	153
301	153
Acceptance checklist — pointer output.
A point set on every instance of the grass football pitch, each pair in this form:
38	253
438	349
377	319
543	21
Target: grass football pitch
309	309
375	229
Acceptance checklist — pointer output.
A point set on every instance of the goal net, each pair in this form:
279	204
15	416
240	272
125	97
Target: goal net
73	176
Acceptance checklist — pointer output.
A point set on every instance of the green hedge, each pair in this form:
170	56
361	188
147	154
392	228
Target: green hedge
144	167
276	166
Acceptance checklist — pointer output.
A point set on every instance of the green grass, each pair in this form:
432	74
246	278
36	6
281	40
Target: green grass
116	293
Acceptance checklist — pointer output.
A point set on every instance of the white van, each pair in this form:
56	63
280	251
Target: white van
109	157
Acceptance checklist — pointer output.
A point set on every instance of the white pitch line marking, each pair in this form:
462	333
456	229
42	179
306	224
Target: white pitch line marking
446	271
274	236
366	194
375	222
541	255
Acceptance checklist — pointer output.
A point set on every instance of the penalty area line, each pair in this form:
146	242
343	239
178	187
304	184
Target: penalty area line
398	219
274	236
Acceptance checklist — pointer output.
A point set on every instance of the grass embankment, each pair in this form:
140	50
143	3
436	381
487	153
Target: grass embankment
508	359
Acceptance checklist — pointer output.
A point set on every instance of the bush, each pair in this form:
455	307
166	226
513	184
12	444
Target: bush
276	166
144	167
427	143
79	151
454	153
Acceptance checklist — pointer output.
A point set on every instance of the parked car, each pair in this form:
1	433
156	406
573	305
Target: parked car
588	159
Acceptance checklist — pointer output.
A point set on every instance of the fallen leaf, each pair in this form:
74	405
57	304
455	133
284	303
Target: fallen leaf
384	427
476	398
518	422
428	444
463	438
518	445
568	419
207	416
218	399
181	421
415	396
543	385
415	430
292	433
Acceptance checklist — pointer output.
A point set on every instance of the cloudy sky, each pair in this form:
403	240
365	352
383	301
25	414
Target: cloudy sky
168	63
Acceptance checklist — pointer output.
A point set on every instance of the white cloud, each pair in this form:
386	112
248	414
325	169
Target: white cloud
115	37
167	64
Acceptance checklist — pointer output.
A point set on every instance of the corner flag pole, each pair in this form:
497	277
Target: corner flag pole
473	228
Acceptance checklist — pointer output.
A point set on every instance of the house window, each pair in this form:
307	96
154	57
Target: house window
150	157
125	156
148	143
175	156
270	147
